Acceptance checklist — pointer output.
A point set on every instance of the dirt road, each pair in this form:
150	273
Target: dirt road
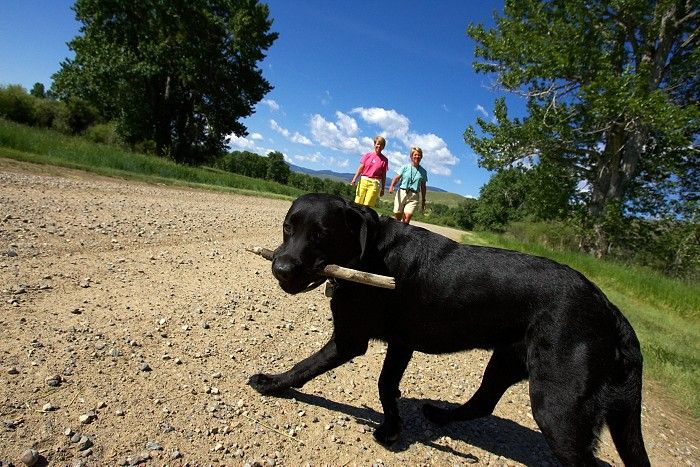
132	317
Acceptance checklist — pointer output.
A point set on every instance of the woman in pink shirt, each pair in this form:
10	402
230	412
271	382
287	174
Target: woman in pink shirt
372	172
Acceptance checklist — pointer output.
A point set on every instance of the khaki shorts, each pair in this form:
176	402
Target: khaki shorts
405	201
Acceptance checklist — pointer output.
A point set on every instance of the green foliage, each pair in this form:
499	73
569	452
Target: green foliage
243	162
179	74
105	133
38	91
75	116
465	214
16	104
277	168
274	168
71	116
612	94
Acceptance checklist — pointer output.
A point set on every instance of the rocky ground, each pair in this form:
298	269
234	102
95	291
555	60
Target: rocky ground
132	317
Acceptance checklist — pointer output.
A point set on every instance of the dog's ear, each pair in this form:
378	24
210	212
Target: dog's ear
361	221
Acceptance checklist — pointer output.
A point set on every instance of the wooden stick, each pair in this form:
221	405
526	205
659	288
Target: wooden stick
340	272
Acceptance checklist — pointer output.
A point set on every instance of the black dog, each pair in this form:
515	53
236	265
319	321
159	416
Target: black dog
544	321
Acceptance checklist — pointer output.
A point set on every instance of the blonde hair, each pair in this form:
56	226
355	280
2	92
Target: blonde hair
380	139
416	149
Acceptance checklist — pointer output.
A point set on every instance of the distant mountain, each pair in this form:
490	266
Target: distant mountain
341	176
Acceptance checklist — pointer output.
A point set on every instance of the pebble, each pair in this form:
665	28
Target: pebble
53	381
153	446
144	367
30	457
87	418
13	371
84	443
48	407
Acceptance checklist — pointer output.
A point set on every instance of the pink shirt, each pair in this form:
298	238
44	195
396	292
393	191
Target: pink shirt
375	165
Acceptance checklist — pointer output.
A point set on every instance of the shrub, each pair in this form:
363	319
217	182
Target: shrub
16	104
105	133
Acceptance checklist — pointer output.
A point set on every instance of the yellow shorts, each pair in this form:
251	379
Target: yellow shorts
367	191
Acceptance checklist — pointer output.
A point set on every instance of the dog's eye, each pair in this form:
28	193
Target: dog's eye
319	237
287	229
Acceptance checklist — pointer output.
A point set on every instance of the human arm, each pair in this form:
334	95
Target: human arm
422	195
394	181
357	174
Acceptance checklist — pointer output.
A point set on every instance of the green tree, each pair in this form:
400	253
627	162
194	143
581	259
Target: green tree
277	169
612	90
464	213
38	90
501	200
180	74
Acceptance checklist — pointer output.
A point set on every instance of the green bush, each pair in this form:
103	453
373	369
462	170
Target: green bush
105	133
16	104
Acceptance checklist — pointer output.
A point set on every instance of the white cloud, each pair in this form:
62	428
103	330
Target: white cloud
256	136
444	107
293	137
344	135
241	142
324	161
391	122
480	108
338	135
271	103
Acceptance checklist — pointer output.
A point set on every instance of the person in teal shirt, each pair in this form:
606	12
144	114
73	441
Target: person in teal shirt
412	187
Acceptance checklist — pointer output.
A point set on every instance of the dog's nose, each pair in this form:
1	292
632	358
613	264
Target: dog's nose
282	270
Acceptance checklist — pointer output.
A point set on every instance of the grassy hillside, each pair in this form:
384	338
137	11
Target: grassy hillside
43	146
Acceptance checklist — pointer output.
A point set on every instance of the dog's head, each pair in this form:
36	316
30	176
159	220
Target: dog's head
319	230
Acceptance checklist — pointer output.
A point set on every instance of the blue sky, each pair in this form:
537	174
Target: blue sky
342	71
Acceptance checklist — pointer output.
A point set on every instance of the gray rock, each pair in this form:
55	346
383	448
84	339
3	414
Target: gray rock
30	457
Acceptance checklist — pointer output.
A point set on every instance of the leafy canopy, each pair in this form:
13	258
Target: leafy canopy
181	74
612	91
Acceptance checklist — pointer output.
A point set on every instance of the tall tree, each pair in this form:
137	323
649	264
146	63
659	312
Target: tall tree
179	73
277	169
612	92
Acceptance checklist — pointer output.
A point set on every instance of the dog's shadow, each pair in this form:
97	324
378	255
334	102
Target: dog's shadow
499	436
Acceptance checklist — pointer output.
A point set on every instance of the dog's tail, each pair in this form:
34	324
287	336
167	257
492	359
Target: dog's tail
624	396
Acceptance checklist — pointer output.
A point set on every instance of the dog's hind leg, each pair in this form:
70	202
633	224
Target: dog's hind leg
395	363
569	421
333	354
505	368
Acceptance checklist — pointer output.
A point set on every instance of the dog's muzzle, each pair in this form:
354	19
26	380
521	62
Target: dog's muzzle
293	277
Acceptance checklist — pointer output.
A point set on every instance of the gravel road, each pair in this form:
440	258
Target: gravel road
132	317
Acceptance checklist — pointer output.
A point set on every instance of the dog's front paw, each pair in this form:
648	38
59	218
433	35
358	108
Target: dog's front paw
436	414
388	432
266	384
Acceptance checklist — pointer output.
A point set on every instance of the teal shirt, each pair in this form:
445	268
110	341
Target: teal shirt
412	177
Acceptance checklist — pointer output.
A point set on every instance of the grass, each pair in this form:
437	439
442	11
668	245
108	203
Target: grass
664	312
42	146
